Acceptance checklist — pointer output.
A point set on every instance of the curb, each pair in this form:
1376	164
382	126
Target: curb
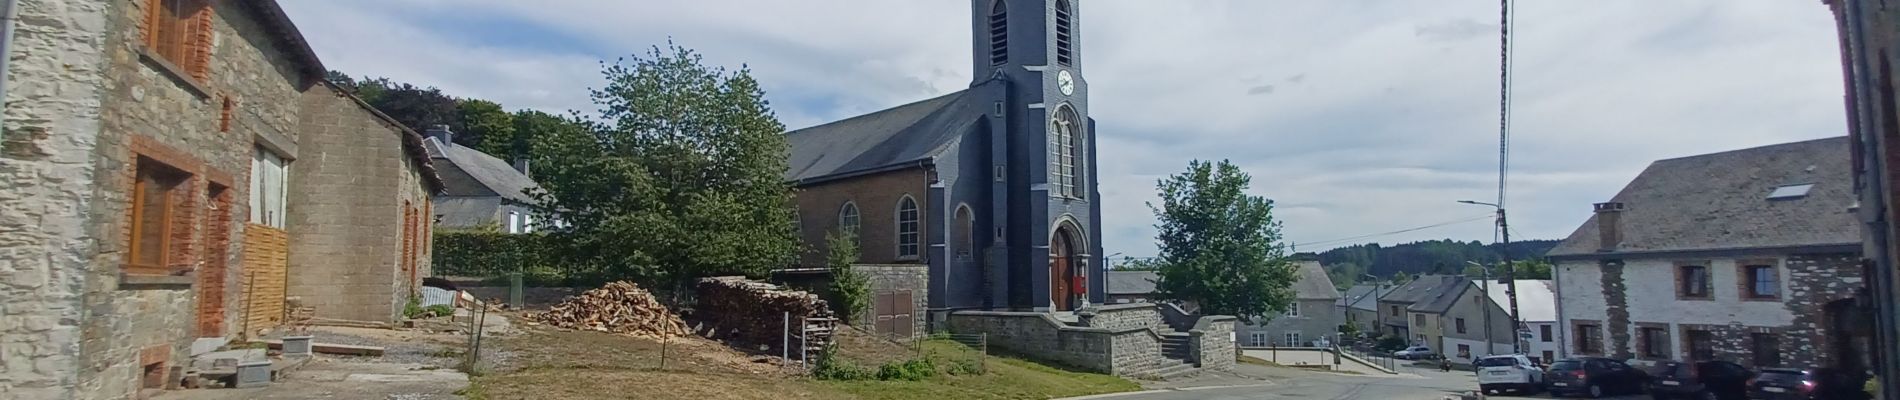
1153	391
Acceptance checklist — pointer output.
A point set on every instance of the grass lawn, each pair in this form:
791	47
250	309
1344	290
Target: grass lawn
561	365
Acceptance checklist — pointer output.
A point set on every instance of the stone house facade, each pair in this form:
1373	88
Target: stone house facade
1694	260
133	143
1312	316
1870	43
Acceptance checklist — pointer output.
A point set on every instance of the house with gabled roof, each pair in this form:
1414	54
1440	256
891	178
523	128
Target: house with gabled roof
1750	256
1310	318
478	189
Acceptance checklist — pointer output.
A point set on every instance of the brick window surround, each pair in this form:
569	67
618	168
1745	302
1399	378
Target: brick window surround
1587	335
177	34
162	203
1698	342
1758	280
1652	341
1692	281
153	363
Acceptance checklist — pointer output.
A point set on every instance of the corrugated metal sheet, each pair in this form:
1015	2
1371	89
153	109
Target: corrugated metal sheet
433	296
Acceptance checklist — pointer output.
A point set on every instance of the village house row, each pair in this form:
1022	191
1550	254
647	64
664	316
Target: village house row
170	172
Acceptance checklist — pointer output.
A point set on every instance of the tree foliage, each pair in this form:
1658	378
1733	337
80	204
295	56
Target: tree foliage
679	176
851	290
492	128
1420	258
1526	269
1220	247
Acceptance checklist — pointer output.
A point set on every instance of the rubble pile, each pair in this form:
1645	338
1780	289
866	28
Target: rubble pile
618	307
754	312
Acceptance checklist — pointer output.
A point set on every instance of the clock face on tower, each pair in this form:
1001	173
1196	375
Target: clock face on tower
1065	82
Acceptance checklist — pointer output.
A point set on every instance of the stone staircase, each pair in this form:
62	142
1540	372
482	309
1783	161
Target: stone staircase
1176	357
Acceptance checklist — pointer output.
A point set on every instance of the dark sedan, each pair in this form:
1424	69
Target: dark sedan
1594	377
1703	380
1806	384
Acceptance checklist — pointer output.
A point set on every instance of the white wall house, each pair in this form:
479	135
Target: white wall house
1746	256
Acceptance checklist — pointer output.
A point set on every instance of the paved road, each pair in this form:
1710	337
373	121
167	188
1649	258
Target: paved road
1414	384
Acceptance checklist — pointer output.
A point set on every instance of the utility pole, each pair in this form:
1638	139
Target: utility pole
1510	284
1486	277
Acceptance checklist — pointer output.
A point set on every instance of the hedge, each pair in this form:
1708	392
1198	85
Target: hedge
489	254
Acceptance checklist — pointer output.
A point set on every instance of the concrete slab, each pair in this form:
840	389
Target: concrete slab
334	379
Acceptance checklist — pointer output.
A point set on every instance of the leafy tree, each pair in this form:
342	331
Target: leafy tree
851	289
1401	278
1220	247
1135	264
413	106
1526	269
680	175
491	128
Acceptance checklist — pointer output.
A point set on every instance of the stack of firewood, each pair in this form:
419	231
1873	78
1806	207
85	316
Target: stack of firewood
619	307
755	313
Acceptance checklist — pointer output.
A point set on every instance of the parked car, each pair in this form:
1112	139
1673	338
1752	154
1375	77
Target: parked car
1703	380
1498	374
1594	377
1415	353
1806	384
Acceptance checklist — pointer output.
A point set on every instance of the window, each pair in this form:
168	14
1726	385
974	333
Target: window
1293	310
848	219
269	175
1461	325
1418	319
1654	342
1544	333
1766	349
161	202
999	33
1763	282
1701	345
527	223
1065	30
178	31
907	231
1259	339
1292	339
1464	351
1549	356
1065	138
1395	311
1692	282
514	222
1589	339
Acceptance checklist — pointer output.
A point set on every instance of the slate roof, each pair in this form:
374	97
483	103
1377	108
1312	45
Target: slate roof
1442	296
1719	202
1132	282
910	134
1535	299
1314	284
1361	297
1421	288
469	172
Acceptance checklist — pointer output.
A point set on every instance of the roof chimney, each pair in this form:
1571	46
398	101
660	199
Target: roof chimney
521	165
1609	226
441	133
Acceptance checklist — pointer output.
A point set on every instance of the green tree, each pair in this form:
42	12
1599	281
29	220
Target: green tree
851	290
680	176
1220	247
1135	264
1401	278
492	129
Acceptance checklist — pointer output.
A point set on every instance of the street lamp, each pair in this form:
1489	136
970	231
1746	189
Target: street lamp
1510	271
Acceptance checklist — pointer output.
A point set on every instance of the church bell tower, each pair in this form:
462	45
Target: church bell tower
1027	54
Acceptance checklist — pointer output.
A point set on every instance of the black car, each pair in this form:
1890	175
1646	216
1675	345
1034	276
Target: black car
1806	384
1593	377
1703	380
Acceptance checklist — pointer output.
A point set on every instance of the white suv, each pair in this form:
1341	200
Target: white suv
1508	373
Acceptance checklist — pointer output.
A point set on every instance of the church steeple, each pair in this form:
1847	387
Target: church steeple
1023	33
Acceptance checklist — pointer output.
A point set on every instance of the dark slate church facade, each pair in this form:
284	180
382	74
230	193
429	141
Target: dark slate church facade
992	187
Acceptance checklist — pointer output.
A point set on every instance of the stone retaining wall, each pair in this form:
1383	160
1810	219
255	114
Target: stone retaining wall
1038	335
1214	342
1122	316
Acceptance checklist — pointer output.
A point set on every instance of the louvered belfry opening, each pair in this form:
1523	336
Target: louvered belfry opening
1065	21
999	33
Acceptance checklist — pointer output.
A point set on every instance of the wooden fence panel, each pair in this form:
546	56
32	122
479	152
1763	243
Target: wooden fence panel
266	271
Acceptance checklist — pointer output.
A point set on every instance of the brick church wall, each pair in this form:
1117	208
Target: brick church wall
876	196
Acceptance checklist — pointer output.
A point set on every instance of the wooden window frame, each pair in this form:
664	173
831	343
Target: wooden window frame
167	207
1682	280
1645	344
1745	279
1689	342
189	58
1587	336
909	219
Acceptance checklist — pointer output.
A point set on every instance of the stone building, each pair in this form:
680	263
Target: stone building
1746	256
1396	312
1312	316
1870	43
992	187
148	161
1360	306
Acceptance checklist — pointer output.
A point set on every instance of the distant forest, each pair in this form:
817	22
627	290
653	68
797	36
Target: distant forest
1346	264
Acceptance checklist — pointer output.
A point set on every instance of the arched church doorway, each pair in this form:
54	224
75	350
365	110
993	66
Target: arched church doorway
1063	266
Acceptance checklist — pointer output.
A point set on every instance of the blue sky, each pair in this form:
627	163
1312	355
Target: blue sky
1355	117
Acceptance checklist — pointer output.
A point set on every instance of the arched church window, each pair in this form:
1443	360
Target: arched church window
908	237
965	237
999	33
848	219
1065	31
1065	138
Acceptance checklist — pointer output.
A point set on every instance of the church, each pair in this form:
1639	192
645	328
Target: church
992	187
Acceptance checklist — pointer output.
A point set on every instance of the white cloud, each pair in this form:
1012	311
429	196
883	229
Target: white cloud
1356	117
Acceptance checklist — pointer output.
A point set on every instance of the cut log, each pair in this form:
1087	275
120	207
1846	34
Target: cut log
618	307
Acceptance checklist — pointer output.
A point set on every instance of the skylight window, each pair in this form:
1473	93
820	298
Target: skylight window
1789	192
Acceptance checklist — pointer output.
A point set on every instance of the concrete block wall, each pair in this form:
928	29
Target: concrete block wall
346	213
